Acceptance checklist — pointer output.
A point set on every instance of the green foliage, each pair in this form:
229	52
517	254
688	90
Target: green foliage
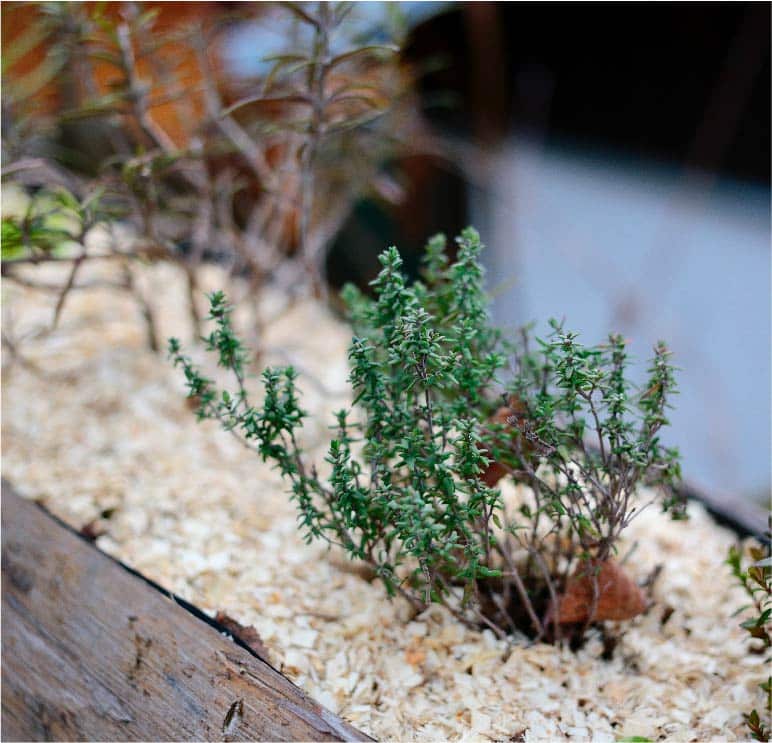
408	490
756	580
596	437
758	729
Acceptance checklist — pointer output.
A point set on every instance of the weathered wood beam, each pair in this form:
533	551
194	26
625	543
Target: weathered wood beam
91	651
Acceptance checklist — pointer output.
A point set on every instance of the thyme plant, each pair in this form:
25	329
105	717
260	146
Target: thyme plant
410	490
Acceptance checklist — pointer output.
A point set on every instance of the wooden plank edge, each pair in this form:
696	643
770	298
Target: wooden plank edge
191	608
302	708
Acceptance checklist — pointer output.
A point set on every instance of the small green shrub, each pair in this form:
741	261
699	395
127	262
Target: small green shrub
411	490
756	580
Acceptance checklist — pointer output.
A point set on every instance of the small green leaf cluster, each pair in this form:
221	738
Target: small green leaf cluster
408	489
756	580
46	223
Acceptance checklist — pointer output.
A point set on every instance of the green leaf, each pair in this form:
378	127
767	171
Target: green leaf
488	572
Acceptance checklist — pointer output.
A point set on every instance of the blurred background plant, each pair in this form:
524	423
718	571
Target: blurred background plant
621	179
124	119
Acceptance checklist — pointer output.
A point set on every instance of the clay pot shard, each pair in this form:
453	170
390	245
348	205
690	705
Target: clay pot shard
619	597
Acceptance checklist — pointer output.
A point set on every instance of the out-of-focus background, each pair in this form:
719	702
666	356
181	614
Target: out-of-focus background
629	190
614	157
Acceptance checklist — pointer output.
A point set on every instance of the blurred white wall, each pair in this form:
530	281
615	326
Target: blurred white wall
652	253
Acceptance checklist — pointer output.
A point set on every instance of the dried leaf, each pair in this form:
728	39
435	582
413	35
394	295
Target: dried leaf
509	416
248	635
92	530
618	595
